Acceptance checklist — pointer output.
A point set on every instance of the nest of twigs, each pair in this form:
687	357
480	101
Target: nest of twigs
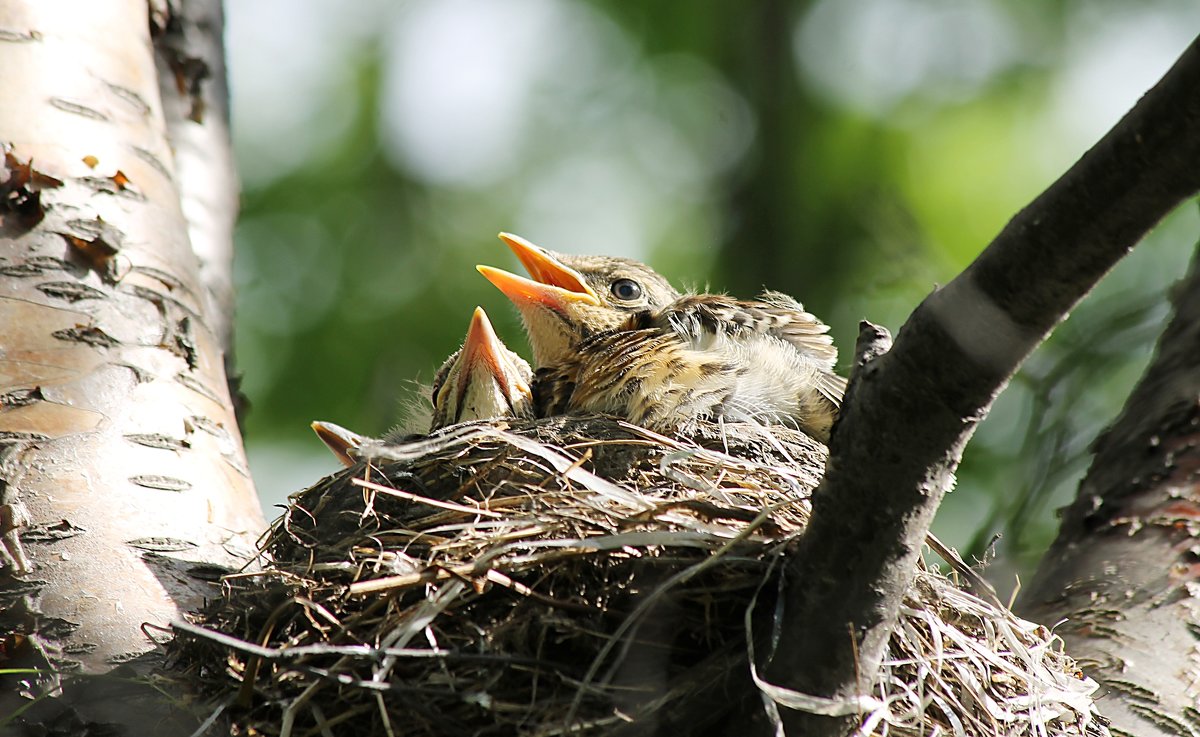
575	576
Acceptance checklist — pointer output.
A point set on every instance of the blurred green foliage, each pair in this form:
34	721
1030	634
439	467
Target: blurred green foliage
854	153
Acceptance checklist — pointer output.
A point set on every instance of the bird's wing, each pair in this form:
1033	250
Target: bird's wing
698	317
831	386
789	321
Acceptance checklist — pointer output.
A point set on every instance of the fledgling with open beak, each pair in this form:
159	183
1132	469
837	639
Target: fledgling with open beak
612	336
482	380
570	298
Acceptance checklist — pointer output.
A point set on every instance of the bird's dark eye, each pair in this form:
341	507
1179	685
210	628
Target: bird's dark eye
626	290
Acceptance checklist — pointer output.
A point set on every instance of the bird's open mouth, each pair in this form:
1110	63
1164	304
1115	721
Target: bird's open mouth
481	350
554	284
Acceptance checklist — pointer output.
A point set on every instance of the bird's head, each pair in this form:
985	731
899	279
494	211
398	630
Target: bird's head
482	380
569	298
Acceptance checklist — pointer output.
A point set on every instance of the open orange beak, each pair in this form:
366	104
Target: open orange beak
554	284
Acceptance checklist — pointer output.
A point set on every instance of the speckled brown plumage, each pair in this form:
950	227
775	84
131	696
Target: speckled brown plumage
612	336
704	357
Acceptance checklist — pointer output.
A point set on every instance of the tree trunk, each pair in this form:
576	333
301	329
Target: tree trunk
124	489
1123	571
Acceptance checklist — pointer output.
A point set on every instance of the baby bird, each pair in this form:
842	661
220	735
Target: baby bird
570	298
704	357
612	336
483	380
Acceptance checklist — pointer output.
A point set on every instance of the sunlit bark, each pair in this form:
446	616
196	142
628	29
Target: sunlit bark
122	476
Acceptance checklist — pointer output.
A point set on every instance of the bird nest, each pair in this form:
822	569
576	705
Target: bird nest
581	576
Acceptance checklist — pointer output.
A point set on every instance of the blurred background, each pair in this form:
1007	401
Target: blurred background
853	153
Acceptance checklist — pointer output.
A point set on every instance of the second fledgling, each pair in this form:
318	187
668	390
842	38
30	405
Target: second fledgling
483	380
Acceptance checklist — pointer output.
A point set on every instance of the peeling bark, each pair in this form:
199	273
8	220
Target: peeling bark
192	82
1125	570
123	486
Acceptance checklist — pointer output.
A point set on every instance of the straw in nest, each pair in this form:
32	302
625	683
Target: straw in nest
582	576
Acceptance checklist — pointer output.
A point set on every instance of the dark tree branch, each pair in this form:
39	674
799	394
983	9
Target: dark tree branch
1123	570
909	412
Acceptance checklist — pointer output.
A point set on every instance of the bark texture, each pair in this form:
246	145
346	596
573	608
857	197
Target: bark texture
910	410
123	487
195	97
1124	570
